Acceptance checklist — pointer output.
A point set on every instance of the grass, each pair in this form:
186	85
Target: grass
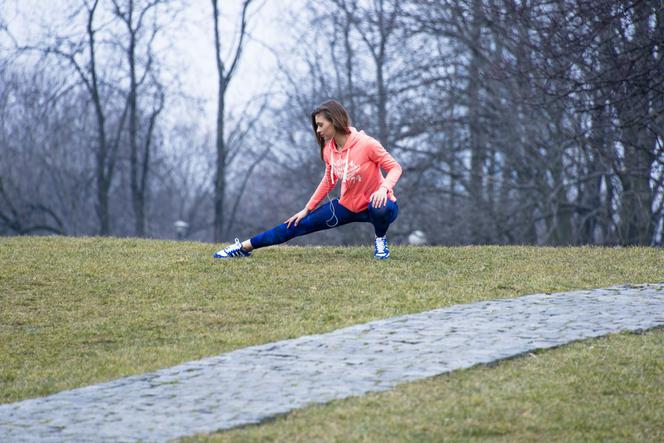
76	311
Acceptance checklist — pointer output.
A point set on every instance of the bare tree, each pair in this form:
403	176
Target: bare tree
249	121
80	54
562	110
44	186
225	73
82	57
134	16
181	185
107	147
600	59
516	122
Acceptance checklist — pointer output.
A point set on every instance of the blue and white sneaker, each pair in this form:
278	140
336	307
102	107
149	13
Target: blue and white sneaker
381	251
232	251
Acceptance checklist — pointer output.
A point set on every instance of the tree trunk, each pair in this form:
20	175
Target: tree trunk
224	76
104	162
636	217
220	177
475	127
137	194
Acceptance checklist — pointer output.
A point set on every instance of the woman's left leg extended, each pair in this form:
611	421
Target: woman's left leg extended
327	216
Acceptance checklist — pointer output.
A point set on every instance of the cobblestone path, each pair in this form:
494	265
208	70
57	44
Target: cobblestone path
252	384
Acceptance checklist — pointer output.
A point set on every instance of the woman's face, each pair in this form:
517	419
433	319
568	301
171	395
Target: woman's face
324	127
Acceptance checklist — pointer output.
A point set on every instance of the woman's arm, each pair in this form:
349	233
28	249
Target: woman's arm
324	188
379	155
321	191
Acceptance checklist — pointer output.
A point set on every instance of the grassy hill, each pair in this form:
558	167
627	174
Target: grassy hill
77	311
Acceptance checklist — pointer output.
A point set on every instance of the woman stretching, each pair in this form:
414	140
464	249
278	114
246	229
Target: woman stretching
365	196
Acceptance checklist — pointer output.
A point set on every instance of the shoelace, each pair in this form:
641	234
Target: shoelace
234	250
380	244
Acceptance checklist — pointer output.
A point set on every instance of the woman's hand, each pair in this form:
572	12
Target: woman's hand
295	219
379	198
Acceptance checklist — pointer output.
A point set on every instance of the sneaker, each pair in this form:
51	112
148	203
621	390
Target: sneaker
232	251
381	250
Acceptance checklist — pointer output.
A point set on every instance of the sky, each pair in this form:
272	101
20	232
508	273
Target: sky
188	44
258	64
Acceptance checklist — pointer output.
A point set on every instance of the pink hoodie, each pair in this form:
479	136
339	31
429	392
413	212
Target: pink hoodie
358	166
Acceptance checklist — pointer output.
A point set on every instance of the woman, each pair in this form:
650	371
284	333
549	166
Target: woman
353	158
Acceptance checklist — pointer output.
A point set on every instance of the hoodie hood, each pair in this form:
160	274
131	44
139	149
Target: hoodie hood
353	138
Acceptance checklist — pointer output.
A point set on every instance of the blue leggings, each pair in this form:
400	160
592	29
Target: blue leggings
324	218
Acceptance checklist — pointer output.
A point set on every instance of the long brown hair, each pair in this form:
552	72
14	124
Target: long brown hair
334	112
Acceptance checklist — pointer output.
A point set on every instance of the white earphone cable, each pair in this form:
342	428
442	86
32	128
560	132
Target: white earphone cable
341	188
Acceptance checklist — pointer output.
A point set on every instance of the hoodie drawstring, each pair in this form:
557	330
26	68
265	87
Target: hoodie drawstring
341	189
345	173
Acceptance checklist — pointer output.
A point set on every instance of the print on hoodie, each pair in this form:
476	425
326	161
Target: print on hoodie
353	171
